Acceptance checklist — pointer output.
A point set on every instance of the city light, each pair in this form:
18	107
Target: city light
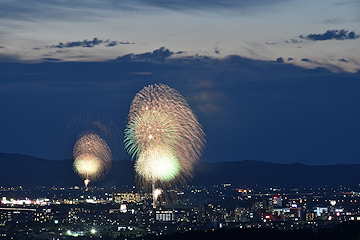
120	213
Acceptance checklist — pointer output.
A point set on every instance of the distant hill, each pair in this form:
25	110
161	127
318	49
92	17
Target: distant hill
17	169
252	173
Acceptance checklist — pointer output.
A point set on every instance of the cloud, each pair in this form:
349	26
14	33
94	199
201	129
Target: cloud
180	5
85	43
306	60
88	43
114	43
280	60
206	97
47	59
217	50
8	58
333	20
42	9
158	55
101	127
273	43
332	34
293	41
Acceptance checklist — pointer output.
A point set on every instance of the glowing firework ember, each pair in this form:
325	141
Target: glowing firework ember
87	164
157	164
92	157
163	134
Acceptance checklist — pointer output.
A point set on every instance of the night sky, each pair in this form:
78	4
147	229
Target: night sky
276	82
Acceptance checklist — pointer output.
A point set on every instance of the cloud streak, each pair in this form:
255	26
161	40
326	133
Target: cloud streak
305	60
81	10
88	43
293	41
332	34
158	55
333	21
180	5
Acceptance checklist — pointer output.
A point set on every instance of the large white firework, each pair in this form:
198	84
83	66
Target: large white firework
163	131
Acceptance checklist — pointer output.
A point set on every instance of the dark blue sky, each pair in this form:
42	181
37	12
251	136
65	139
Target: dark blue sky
258	110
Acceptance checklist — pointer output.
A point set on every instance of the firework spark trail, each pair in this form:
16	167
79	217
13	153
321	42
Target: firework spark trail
156	193
92	156
160	118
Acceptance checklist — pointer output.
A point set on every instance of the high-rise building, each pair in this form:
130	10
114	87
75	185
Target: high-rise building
166	215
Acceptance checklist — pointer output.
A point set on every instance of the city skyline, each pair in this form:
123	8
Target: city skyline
227	209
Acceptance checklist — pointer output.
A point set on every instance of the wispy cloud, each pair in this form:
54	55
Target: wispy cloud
180	5
217	48
306	60
82	10
333	20
279	60
331	34
114	43
85	43
8	58
88	43
158	55
293	41
271	43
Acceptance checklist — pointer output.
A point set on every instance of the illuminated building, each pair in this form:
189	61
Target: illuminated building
126	197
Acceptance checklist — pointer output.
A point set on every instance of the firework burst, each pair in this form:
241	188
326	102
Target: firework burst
92	157
163	134
93	122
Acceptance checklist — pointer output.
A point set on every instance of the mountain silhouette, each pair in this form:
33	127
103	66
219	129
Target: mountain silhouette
24	170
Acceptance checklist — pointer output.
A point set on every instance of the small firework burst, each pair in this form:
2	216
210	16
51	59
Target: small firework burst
92	156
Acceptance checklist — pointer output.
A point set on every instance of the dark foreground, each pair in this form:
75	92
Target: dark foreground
343	231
